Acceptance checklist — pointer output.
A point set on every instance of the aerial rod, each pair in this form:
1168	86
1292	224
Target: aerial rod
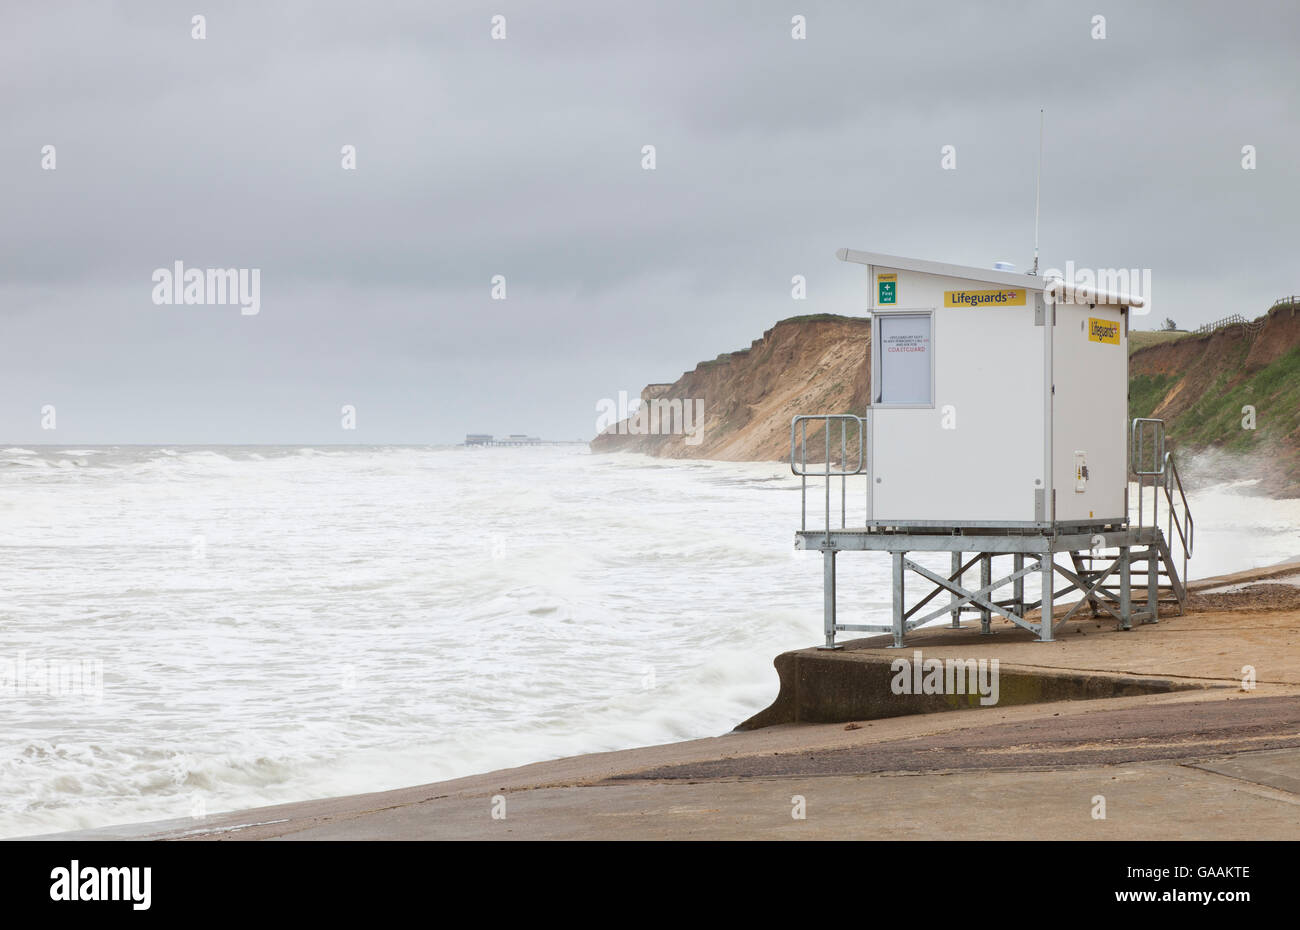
1038	186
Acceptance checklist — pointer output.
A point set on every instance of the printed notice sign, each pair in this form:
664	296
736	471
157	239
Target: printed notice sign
984	299
1106	331
886	288
904	359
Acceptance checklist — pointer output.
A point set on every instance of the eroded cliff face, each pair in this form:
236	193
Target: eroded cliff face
1230	400
738	407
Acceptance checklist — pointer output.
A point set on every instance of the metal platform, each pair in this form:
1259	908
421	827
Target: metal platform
1104	557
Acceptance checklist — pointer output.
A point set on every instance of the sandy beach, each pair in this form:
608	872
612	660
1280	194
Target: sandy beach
1214	761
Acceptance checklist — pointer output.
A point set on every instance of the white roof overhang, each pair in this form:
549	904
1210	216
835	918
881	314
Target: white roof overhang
1052	288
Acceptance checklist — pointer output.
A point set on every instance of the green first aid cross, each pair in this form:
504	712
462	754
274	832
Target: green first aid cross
887	291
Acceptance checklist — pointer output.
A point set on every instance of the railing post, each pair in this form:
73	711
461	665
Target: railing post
1155	492
826	431
803	471
1153	579
844	471
1170	481
1141	485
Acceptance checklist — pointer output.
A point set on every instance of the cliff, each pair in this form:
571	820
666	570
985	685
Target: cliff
1230	399
812	364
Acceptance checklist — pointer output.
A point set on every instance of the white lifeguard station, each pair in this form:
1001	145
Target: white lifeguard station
997	425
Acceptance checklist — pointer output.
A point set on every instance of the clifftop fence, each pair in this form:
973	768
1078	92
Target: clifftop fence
1251	326
1236	319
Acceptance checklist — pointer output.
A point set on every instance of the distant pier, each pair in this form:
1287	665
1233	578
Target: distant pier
518	439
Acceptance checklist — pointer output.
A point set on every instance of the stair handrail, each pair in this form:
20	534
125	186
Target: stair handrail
1187	538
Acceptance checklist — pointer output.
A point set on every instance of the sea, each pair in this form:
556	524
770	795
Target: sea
189	630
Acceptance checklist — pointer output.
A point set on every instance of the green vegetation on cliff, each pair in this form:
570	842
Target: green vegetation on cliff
1145	392
1217	418
1236	390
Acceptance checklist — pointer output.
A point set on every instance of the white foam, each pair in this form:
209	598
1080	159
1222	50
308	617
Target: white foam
283	624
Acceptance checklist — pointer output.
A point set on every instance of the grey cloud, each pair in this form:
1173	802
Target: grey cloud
522	158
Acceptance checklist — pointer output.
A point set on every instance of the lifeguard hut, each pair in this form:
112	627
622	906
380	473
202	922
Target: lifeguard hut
997	426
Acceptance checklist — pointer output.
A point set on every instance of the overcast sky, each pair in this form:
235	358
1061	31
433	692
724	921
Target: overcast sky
522	157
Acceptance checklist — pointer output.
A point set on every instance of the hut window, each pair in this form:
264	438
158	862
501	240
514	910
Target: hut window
902	360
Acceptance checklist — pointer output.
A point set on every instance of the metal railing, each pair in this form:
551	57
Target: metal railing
1186	526
824	470
1147	437
1152	463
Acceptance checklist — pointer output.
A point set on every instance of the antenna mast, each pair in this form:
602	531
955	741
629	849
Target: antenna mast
1038	185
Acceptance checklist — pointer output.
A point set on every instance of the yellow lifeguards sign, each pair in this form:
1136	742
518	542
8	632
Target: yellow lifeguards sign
1106	331
1010	297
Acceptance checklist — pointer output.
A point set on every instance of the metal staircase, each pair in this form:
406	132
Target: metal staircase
1154	468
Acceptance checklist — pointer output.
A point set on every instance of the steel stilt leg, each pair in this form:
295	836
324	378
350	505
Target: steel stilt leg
1125	591
952	595
1018	586
1045	625
828	597
986	577
898	599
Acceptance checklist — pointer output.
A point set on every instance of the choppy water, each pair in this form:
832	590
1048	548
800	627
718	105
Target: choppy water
275	624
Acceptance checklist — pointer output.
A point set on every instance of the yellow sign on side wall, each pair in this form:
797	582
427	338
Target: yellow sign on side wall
1106	331
978	299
